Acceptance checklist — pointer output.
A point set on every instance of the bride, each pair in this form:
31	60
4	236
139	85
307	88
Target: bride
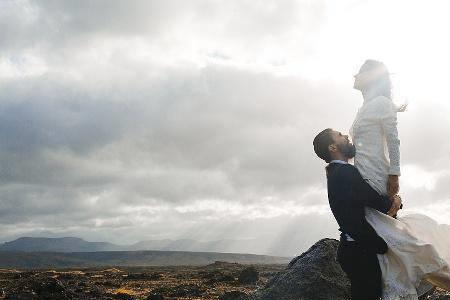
419	249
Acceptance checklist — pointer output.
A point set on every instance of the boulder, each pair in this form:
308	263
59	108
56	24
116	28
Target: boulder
156	297
124	296
44	288
436	294
235	295
314	275
144	276
181	290
217	276
160	297
248	275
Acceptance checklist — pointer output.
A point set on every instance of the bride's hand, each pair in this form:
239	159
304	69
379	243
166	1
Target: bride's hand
393	186
396	205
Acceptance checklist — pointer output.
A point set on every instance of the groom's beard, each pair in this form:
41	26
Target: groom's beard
348	150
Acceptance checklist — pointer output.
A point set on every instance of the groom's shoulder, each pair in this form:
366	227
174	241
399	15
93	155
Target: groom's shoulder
342	166
344	171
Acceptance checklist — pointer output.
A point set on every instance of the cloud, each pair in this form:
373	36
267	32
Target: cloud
156	119
235	29
190	135
251	135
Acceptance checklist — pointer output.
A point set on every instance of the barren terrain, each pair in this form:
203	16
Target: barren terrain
174	282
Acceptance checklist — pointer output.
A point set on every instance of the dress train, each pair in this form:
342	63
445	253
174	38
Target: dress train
418	257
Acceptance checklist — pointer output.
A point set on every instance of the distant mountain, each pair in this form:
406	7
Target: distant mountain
287	245
65	244
46	260
73	244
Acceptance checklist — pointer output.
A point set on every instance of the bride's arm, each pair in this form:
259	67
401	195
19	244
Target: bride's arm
388	121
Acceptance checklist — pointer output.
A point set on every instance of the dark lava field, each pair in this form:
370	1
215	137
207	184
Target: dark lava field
219	280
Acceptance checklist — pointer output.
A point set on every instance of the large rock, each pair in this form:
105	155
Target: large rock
235	295
314	275
248	276
48	288
181	290
436	294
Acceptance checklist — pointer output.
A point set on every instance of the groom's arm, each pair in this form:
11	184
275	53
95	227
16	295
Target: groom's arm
352	216
368	195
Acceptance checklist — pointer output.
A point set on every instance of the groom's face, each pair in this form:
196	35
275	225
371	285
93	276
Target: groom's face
343	144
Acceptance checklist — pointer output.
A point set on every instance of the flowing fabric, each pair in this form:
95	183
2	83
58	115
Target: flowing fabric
418	257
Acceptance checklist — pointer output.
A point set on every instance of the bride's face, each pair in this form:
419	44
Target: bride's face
364	80
361	81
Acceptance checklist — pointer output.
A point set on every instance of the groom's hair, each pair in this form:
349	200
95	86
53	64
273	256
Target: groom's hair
321	143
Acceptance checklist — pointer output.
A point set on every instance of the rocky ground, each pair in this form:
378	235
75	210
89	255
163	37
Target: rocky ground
314	275
215	281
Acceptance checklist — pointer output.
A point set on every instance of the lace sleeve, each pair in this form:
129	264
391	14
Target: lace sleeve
388	121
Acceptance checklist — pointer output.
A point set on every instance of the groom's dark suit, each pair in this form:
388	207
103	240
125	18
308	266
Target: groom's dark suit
348	194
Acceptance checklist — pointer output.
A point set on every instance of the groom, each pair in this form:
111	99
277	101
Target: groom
348	194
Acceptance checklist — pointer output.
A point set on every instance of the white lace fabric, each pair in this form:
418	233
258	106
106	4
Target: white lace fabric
418	255
375	136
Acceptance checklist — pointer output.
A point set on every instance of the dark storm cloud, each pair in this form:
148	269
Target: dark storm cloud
46	113
218	132
119	118
210	133
61	25
41	117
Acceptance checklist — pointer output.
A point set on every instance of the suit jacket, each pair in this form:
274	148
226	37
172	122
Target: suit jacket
348	194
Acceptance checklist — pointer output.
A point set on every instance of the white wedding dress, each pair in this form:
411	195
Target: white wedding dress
418	257
419	248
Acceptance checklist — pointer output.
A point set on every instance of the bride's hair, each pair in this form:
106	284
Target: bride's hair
381	84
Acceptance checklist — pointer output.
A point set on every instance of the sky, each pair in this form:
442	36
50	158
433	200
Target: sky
123	121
